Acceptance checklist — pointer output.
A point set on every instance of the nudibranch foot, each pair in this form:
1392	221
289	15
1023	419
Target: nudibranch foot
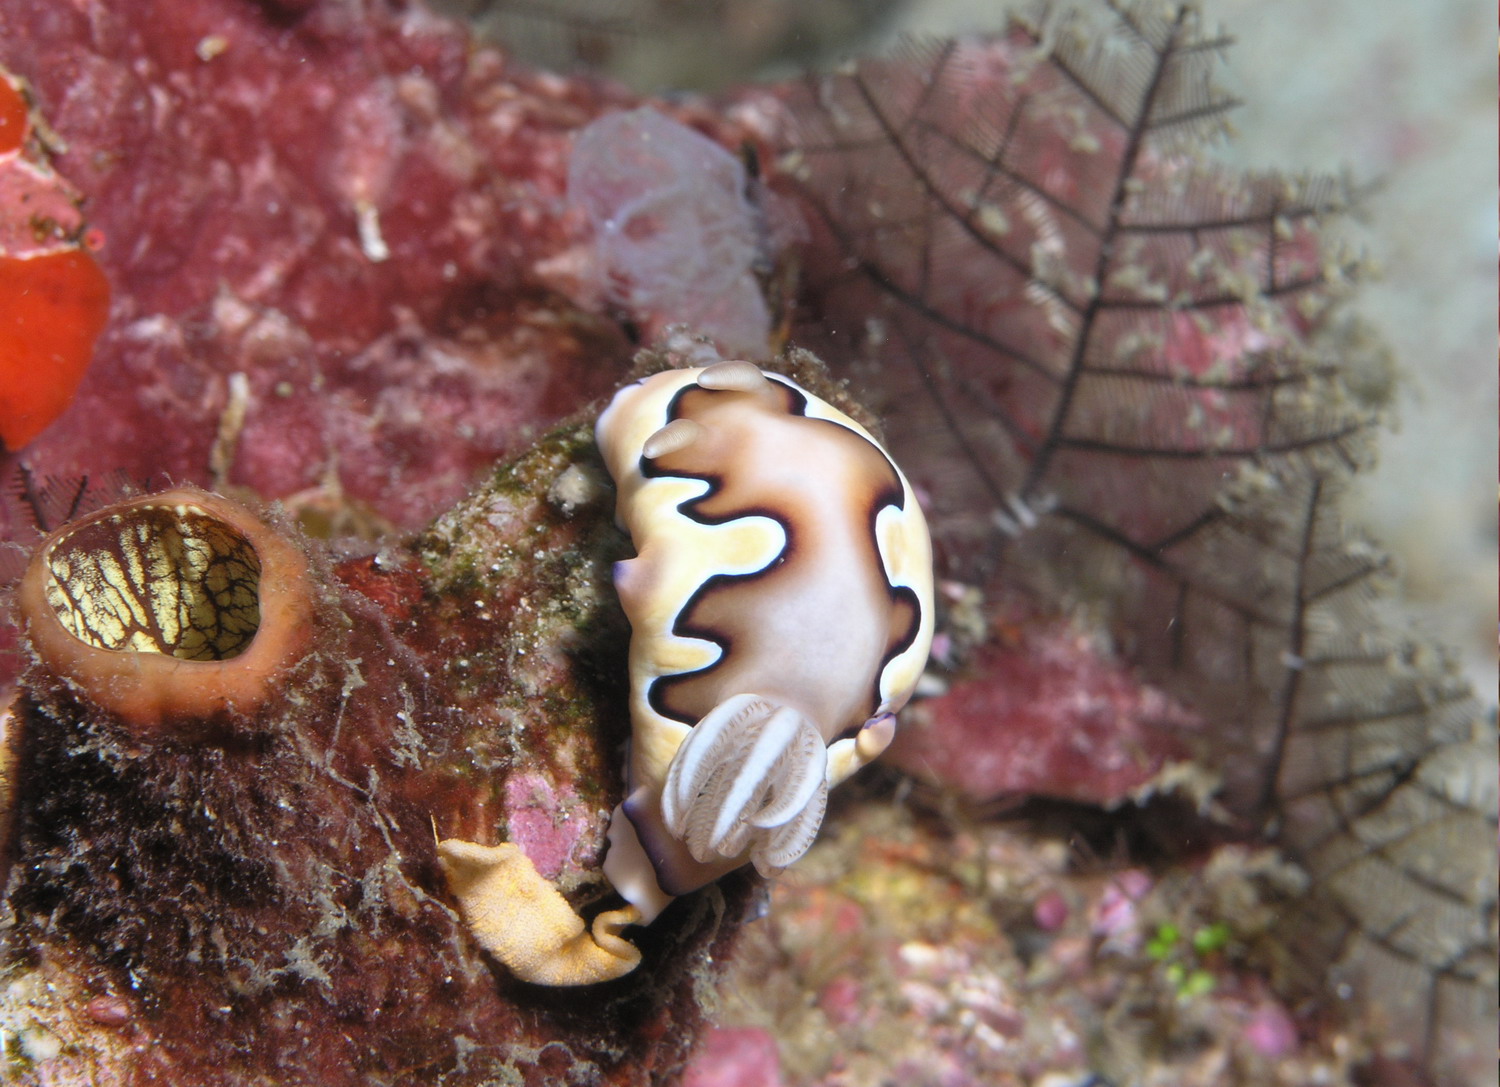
751	775
629	868
522	920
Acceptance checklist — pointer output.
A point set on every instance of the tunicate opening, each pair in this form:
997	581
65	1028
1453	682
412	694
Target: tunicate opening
172	580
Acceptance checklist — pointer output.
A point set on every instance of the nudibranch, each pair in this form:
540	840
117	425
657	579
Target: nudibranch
780	606
781	613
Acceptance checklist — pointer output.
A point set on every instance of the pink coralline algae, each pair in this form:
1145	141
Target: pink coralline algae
1115	918
1048	715
735	1057
1271	1031
540	822
1050	912
344	205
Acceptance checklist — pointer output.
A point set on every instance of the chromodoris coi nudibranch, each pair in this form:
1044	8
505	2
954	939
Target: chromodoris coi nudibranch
780	603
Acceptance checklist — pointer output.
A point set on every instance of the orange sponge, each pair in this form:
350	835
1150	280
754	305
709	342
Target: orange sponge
54	298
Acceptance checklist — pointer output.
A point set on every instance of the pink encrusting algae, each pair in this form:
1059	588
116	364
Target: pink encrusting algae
355	235
1049	715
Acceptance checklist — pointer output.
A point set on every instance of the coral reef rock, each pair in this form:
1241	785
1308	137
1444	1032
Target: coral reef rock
247	889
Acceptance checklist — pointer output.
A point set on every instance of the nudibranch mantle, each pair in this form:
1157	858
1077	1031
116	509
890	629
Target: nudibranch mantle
780	605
